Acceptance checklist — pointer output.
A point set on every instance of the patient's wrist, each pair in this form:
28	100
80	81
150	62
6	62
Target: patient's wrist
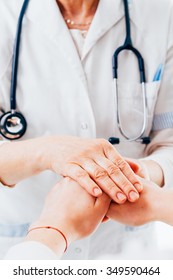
57	236
51	238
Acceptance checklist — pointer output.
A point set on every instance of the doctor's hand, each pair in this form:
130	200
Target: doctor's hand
148	208
95	165
72	210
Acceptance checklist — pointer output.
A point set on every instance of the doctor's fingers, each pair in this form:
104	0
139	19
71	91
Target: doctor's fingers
77	173
108	176
94	179
112	155
121	181
91	176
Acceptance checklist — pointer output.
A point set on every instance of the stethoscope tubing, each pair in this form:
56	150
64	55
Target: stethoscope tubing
118	114
15	61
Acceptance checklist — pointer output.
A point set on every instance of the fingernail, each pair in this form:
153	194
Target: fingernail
97	191
138	186
121	196
133	195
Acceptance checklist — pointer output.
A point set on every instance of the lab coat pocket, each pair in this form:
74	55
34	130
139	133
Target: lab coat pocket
130	104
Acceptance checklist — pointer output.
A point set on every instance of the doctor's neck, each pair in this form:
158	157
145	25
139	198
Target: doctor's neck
78	13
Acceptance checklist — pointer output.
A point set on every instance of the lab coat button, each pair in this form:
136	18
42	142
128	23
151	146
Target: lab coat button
78	250
84	126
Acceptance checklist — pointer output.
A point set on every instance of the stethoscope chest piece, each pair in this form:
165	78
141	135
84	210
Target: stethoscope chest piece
12	125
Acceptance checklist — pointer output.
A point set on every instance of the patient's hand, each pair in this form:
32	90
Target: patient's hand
71	209
147	169
142	170
144	210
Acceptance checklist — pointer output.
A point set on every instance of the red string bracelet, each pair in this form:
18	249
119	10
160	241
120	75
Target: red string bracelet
49	227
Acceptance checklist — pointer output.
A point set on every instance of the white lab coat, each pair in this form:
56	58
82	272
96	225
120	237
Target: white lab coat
30	250
62	95
34	250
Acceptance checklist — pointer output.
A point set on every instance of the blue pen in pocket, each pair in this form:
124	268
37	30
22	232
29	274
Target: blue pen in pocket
158	74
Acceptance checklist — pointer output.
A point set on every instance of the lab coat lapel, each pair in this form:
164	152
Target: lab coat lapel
108	14
46	15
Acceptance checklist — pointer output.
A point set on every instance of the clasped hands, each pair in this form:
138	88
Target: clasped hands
97	182
77	213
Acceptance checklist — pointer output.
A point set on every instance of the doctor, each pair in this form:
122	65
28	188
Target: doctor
65	87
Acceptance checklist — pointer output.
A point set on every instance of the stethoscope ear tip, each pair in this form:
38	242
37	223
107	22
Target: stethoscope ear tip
146	140
114	140
143	140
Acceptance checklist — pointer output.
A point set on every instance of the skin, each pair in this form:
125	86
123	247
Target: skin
79	11
155	172
75	220
154	204
148	169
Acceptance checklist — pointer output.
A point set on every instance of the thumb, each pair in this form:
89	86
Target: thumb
133	164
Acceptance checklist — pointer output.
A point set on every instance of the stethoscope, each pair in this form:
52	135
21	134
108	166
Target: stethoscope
13	124
129	46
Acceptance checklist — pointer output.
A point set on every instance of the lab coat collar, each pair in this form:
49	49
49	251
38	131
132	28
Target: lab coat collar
46	15
108	14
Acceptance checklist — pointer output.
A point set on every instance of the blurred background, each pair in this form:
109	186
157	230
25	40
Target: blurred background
165	239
